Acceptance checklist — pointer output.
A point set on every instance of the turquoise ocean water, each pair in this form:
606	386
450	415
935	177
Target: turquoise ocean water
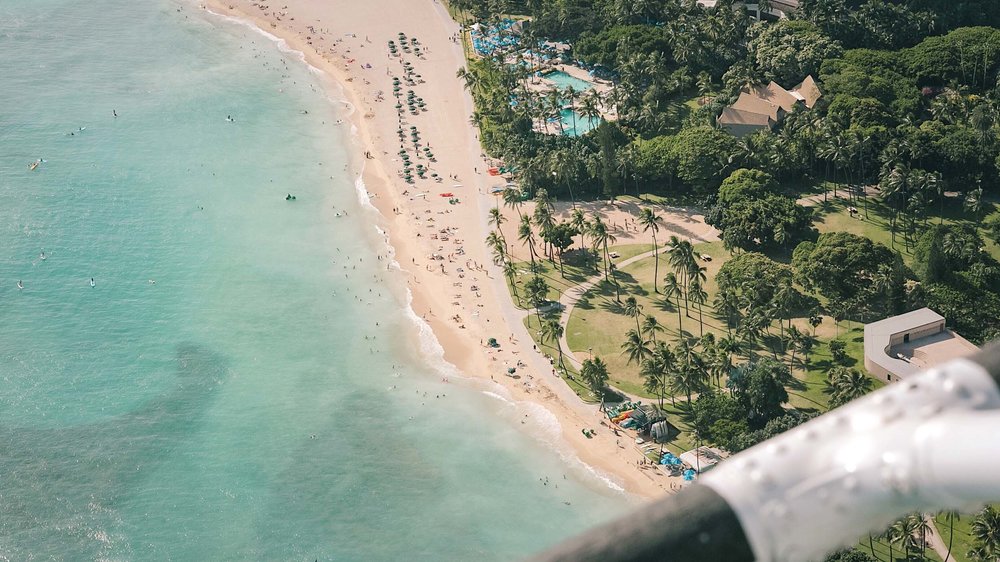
241	381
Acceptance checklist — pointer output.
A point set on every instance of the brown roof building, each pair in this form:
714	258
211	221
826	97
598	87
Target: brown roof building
807	91
761	106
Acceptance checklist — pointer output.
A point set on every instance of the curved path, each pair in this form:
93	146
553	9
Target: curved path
572	296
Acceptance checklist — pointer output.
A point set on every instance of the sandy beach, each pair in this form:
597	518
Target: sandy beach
461	296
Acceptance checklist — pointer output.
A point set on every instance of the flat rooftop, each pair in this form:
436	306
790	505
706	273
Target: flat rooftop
932	350
910	357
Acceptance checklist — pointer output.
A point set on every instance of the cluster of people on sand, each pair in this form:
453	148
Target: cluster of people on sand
344	50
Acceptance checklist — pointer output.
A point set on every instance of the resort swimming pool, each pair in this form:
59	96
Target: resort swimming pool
579	126
561	79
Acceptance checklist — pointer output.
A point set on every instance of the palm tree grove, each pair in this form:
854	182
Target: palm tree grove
699	206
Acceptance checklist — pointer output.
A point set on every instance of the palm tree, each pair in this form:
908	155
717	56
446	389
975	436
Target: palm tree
512	198
794	337
510	271
695	274
690	374
634	310
888	535
564	164
650	222
951	516
727	304
545	221
700	297
903	532
595	375
751	330
537	291
496	218
672	290
656	370
682	261
974	202
552	330
497	246
986	532
571	94
579	222
782	302
718	362
527	236
590	106
893	186
923	527
650	327
635	347
600	236
469	79
847	384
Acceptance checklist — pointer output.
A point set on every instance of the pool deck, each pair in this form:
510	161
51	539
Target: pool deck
602	87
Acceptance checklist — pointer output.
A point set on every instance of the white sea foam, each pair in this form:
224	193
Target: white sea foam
282	45
549	430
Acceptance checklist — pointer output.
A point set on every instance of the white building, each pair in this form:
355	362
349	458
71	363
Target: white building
903	345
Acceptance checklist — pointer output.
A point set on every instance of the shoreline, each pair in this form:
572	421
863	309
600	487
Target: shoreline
330	45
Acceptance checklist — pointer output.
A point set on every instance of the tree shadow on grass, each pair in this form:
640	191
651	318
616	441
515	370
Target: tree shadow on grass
584	303
611	305
664	305
625	278
796	384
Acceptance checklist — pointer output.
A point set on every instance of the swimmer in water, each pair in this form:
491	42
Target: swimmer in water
230	118
19	284
92	283
42	255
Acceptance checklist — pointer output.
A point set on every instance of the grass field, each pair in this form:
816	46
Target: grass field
833	216
576	270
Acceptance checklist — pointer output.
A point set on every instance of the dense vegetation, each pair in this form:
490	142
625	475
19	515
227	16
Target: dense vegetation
907	129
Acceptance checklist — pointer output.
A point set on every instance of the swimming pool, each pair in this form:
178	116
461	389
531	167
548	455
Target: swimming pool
578	127
561	79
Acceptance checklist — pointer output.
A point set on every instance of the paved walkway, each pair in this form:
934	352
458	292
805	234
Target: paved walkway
936	541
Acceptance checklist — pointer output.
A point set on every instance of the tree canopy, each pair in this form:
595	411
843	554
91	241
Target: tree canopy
789	50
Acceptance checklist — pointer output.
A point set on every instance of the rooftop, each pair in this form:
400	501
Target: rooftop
703	458
906	344
754	104
773	93
807	91
732	116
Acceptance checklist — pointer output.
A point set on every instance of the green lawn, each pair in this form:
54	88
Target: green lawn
963	540
898	555
834	216
811	396
570	375
574	271
598	323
